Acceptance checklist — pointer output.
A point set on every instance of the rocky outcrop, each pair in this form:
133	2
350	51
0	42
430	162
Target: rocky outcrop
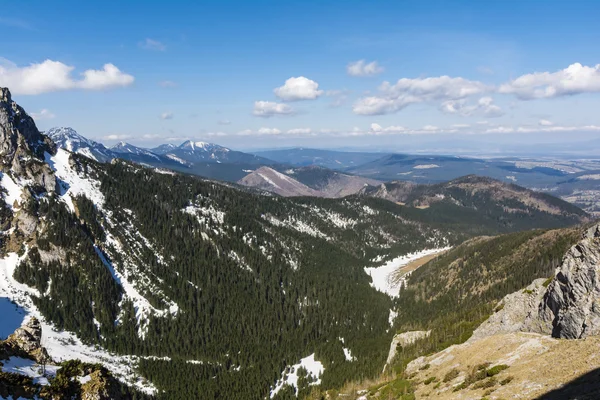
567	306
100	386
571	305
27	341
402	340
517	312
22	146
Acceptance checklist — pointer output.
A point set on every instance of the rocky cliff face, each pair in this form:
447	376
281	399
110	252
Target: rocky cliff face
571	305
22	146
567	306
26	340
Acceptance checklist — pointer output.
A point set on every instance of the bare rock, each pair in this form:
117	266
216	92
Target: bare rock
571	304
569	307
26	341
22	145
402	340
101	386
517	312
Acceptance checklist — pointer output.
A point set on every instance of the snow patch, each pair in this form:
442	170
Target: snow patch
72	183
382	275
14	191
289	377
24	366
63	345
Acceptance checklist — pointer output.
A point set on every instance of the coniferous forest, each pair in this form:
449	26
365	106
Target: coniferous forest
239	285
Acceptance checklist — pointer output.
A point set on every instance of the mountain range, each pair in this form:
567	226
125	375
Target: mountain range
185	287
573	180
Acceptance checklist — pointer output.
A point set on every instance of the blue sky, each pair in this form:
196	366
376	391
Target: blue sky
457	70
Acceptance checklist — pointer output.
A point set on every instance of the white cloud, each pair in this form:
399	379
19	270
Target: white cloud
394	97
299	131
574	79
224	122
545	122
299	88
150	44
362	68
116	137
52	76
44	114
542	129
167	84
379	130
166	115
260	132
268	109
269	131
484	105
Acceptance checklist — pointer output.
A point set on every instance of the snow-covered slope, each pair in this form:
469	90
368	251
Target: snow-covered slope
68	139
273	181
196	151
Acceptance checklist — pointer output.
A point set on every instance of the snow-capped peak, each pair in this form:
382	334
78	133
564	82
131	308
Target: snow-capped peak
68	139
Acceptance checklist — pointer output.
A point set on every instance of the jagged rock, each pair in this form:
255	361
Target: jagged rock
22	146
101	386
569	307
27	339
402	340
571	304
26	223
517	312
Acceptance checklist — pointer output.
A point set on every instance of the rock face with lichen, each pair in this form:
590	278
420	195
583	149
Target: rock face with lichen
567	306
571	305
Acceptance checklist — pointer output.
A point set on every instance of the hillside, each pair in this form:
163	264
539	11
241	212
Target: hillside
200	287
196	152
472	192
306	181
449	297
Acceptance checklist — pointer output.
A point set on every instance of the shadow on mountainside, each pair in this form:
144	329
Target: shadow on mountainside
586	387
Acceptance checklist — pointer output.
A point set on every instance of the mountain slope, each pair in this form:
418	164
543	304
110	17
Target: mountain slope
205	289
526	323
306	181
471	193
69	139
266	178
197	152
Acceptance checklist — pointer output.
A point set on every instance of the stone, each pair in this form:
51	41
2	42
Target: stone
568	308
571	304
402	340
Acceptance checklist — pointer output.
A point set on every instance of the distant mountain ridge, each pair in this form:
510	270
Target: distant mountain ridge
68	139
196	151
200	158
306	181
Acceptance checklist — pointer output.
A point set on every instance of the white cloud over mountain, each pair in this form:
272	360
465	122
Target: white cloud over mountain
53	76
